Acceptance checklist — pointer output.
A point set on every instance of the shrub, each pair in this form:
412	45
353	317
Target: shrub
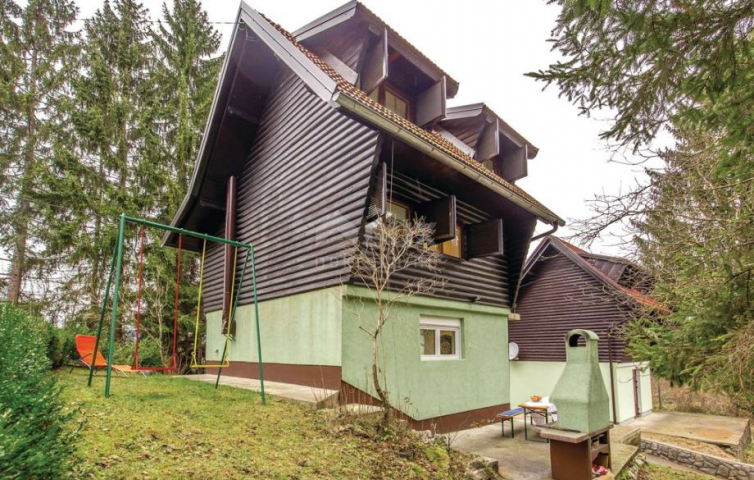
61	346
35	440
149	353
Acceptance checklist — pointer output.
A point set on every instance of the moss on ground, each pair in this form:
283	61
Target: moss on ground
659	472
169	427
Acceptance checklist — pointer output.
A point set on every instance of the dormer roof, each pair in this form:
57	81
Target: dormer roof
485	135
353	13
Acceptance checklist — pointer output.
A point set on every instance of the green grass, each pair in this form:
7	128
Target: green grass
169	427
659	472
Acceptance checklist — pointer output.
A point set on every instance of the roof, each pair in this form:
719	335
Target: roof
475	109
434	139
330	86
347	11
577	256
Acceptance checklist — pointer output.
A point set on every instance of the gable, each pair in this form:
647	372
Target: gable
556	296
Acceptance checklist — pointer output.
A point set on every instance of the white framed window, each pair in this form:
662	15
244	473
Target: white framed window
440	338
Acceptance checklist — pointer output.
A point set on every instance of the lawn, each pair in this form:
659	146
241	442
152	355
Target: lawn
170	427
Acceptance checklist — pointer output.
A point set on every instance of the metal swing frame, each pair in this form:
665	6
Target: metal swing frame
116	266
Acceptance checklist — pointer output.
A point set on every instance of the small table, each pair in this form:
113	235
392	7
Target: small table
531	409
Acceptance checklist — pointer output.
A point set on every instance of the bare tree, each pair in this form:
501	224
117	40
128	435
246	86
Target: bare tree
390	249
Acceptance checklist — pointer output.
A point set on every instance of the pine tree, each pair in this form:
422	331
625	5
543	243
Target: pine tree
37	56
655	62
187	76
117	137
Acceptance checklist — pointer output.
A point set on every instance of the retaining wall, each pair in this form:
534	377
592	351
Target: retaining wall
702	462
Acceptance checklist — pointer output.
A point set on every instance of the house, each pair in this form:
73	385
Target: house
564	287
307	134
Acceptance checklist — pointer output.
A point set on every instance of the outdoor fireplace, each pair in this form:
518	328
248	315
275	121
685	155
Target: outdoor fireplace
581	436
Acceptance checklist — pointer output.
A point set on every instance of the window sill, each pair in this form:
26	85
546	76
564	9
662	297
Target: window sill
439	359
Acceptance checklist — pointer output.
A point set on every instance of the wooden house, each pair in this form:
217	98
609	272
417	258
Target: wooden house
307	132
564	287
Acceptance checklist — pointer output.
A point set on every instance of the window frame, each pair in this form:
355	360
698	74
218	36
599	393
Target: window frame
389	214
438	324
385	86
460	237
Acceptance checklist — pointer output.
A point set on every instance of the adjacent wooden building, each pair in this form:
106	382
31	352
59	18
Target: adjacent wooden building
307	134
564	287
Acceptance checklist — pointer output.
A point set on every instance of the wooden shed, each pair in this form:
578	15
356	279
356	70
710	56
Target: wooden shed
564	287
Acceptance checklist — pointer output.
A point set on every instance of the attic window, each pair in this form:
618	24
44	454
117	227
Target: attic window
391	99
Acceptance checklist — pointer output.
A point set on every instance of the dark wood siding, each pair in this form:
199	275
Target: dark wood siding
557	296
301	196
349	47
483	278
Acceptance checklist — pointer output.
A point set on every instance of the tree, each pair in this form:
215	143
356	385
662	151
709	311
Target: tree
187	77
119	148
692	228
653	61
37	56
391	248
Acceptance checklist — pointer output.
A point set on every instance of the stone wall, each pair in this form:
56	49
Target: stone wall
708	464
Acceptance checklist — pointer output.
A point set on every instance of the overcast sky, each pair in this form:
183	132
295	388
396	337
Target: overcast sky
487	47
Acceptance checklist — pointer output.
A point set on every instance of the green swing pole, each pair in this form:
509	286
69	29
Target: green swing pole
232	318
256	316
114	317
102	315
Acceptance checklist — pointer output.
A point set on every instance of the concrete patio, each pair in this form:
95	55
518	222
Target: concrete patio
731	432
520	459
287	391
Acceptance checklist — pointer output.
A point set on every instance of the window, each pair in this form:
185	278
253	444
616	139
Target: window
454	247
396	211
392	100
396	103
440	338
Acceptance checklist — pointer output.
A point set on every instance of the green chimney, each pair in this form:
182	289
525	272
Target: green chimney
580	395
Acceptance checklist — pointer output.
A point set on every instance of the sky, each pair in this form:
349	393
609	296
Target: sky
487	46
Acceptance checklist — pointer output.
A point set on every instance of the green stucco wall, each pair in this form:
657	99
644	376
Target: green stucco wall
420	388
539	378
302	329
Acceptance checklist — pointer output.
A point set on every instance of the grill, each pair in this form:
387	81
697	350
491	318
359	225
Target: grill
581	436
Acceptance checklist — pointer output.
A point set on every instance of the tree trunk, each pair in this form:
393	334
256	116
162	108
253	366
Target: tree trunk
19	254
21	220
376	374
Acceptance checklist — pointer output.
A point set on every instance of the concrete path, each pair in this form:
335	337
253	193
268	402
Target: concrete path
725	431
288	391
519	459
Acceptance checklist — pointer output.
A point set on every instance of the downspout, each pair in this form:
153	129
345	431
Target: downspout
545	234
612	377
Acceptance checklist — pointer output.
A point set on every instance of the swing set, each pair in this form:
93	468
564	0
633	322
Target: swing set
115	271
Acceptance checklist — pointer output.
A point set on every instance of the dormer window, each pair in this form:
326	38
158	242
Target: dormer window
391	99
